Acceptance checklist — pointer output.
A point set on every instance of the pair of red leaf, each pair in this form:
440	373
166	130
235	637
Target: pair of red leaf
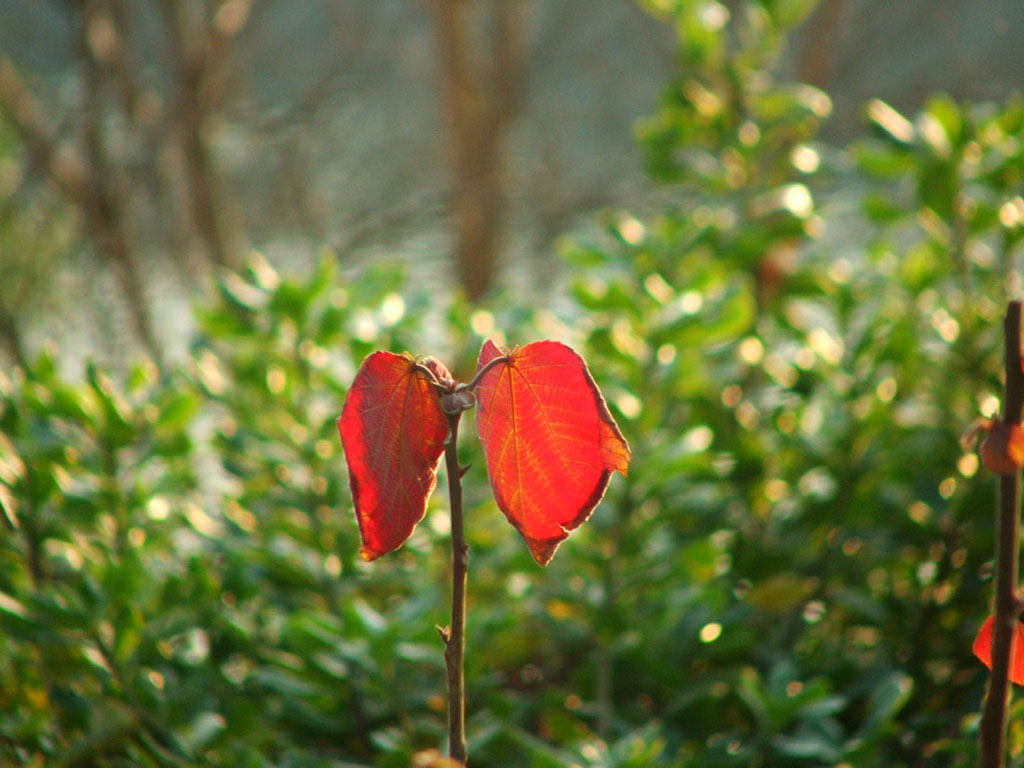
549	440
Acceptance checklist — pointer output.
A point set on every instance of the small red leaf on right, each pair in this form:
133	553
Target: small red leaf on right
550	442
983	649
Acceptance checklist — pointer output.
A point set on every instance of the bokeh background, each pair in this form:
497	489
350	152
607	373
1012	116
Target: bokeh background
782	232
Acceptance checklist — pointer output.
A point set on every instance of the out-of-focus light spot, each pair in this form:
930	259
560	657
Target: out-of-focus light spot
437	702
794	688
155	679
240	516
811	419
516	584
886	389
919	512
891	121
817	482
852	546
136	537
815	227
947	327
699	438
572	703
731	395
265	274
691	302
440	522
816	100
804	358
804	159
714	16
786	422
364	326
968	464
231	17
666	354
102	36
317	356
840	271
710	632
704	101
631	230
211	373
659	290
332	565
628	404
828	347
1011	213
324	449
392	309
559	609
71	555
157	508
590	752
794	198
926	572
934	133
277	380
775	489
747	415
749	134
750	350
625	339
814	611
482	322
299	433
989	405
780	370
202	522
947	487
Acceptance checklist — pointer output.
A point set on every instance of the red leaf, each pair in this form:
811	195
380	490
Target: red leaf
983	649
393	432
550	442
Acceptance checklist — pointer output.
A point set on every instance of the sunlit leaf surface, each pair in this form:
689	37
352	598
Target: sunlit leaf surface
393	431
550	442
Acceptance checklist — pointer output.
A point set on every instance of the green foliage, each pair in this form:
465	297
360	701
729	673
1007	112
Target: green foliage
791	574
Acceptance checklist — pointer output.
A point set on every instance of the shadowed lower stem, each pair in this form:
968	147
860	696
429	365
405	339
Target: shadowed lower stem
993	719
454	636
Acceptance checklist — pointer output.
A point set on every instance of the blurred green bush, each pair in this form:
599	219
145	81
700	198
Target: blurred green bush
791	574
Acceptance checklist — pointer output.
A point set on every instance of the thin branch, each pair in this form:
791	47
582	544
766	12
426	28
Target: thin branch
993	719
454	636
487	366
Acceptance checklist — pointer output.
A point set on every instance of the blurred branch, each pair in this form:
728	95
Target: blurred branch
1008	606
83	181
199	56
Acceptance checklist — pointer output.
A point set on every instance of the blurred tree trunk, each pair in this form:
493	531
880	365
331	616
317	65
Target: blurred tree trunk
480	99
818	57
86	181
106	204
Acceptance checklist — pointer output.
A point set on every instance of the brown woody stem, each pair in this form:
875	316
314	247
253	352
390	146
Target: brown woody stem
454	636
486	367
993	718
